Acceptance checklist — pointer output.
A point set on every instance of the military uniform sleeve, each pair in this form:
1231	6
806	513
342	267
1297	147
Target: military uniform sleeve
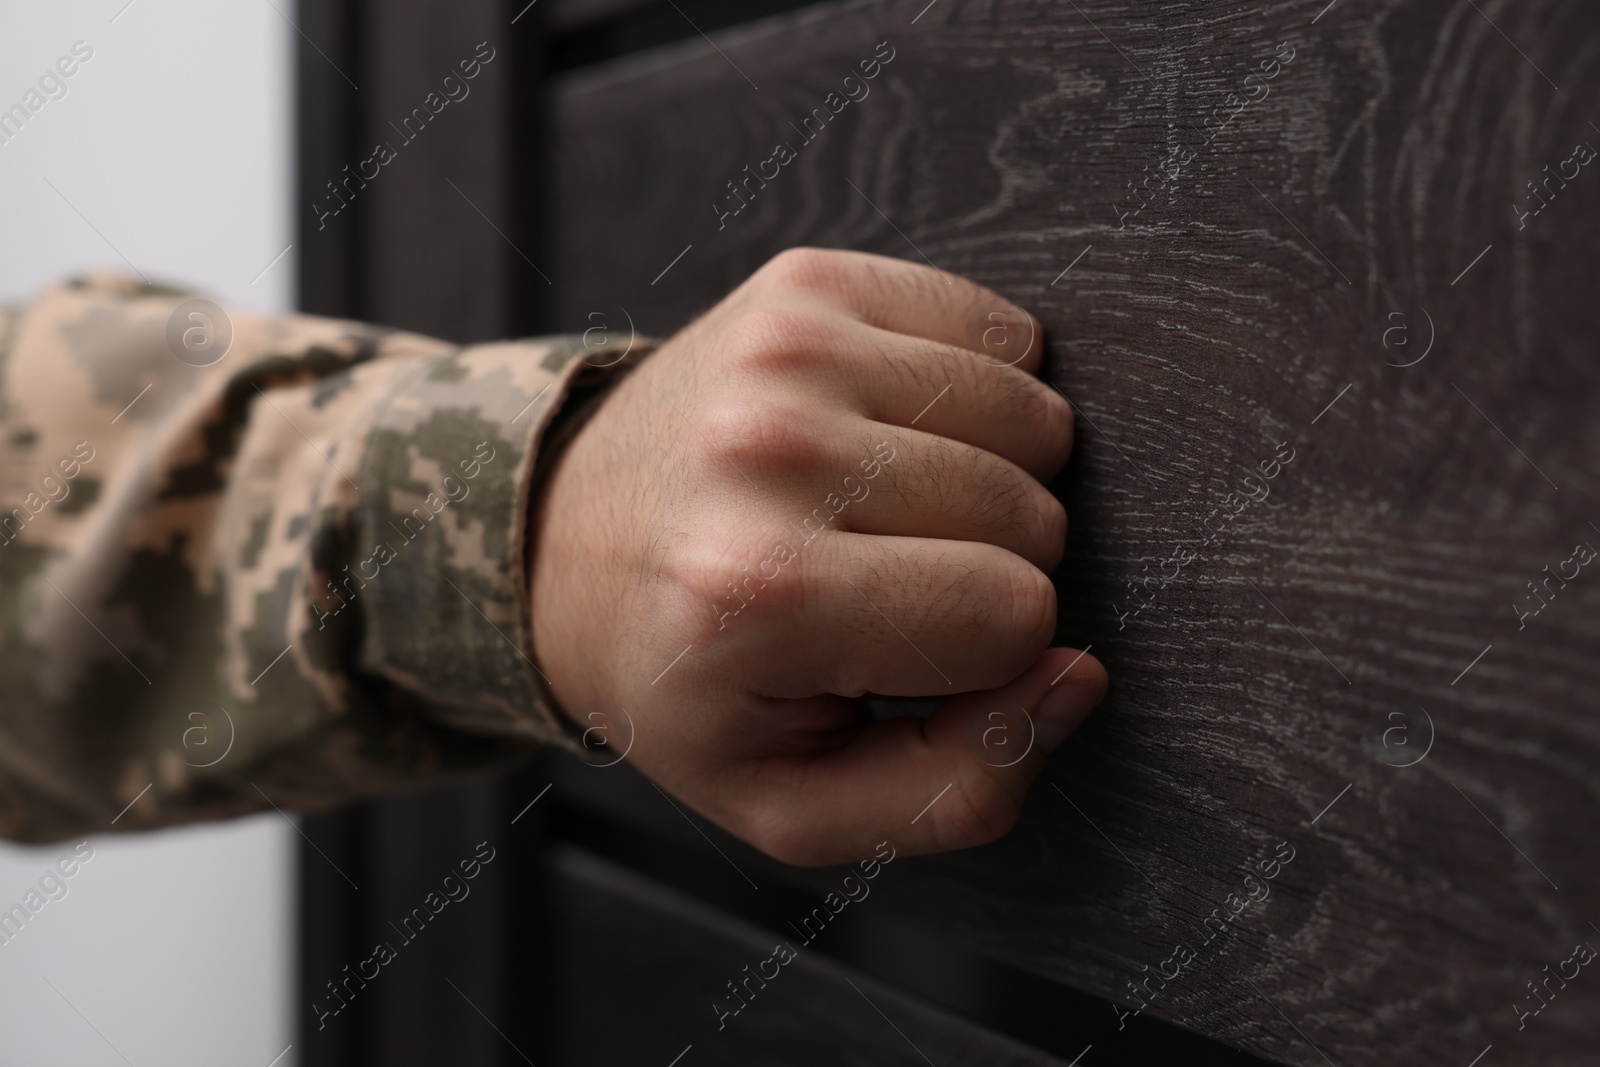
253	559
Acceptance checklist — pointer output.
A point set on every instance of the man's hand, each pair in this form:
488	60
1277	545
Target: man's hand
828	486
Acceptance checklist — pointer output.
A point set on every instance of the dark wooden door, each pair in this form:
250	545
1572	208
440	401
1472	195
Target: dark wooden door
1315	276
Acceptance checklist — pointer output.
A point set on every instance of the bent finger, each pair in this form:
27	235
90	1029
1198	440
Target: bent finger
898	616
929	785
912	299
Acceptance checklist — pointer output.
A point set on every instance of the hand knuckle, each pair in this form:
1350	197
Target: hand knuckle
739	577
1033	401
744	437
999	498
1004	333
768	588
1067	419
1022	513
1050	412
699	575
732	430
1052	528
766	339
1031	601
802	268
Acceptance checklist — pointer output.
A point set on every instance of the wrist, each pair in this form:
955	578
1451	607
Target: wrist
558	587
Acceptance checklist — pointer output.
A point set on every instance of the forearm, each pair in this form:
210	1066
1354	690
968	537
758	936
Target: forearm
291	576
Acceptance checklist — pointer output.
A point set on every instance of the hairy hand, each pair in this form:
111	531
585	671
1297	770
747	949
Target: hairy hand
828	486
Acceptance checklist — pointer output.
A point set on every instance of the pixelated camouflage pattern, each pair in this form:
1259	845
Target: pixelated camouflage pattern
293	577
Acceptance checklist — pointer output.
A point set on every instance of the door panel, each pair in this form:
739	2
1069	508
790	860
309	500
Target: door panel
647	973
1318	274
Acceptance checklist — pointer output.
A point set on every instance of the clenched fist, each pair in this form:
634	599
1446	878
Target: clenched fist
828	486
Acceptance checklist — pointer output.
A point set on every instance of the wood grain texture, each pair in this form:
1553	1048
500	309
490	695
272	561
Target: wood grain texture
642	967
431	226
1244	297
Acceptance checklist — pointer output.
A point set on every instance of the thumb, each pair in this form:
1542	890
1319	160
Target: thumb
954	780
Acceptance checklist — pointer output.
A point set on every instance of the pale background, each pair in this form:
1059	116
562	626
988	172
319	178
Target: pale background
174	142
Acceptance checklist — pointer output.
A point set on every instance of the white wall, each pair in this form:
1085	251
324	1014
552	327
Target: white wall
174	143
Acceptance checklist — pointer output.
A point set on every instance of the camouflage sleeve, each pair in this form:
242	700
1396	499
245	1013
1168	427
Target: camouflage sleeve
252	559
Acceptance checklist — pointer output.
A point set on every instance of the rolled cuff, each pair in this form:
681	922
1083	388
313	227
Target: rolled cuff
439	535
